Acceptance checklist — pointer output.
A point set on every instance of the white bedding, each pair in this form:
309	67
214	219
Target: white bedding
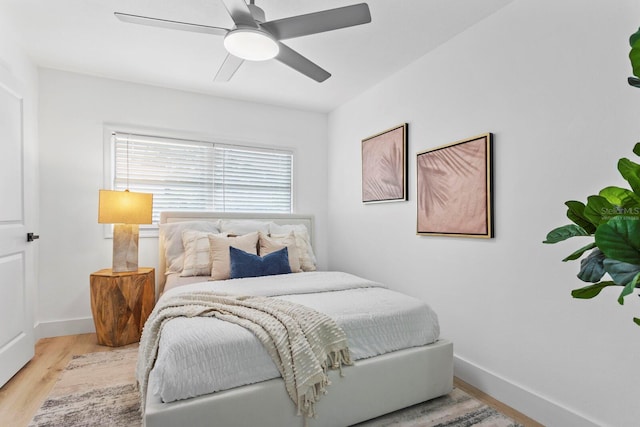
376	320
173	280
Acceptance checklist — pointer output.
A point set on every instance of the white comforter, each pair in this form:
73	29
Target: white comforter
202	355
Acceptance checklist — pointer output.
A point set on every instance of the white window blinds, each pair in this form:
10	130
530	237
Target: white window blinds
186	175
251	180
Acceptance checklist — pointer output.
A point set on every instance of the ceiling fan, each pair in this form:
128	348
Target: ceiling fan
254	39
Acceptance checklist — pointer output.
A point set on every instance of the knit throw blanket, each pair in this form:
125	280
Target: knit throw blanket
302	342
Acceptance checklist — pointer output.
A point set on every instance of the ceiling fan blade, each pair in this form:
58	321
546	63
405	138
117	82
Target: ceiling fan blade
174	25
301	64
228	68
240	13
318	22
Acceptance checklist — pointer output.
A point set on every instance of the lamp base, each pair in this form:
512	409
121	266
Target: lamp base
125	248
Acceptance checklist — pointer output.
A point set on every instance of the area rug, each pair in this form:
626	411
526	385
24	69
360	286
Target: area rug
98	389
457	409
95	389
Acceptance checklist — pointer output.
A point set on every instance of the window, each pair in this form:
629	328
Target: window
251	180
186	175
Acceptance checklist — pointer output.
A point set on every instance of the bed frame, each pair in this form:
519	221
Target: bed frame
370	388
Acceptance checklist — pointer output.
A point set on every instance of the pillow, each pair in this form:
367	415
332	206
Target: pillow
219	252
243	226
269	245
197	261
244	264
303	243
171	233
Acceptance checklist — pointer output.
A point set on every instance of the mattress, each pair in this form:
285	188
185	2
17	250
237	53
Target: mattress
199	356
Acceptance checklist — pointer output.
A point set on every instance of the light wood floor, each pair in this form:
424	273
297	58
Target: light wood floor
21	397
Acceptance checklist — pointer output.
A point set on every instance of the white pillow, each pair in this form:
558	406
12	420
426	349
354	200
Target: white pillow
197	261
243	226
272	244
303	243
171	233
219	252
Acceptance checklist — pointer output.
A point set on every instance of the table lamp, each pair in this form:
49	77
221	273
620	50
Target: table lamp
125	210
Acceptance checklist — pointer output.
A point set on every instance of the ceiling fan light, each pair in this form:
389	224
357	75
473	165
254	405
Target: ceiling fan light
251	44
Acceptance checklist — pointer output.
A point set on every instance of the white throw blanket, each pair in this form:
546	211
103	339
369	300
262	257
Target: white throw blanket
302	342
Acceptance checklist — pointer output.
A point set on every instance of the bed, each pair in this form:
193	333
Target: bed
406	363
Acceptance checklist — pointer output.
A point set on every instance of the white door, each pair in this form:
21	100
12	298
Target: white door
16	323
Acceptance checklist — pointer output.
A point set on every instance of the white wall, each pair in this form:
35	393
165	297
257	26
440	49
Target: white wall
548	78
73	111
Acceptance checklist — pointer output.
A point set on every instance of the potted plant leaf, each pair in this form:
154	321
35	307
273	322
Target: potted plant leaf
612	217
634	56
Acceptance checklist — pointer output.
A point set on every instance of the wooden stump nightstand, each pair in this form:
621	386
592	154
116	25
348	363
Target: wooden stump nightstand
121	303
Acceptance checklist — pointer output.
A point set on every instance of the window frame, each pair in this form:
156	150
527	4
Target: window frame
151	230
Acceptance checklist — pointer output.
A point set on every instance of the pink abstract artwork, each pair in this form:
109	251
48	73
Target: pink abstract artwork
384	166
454	189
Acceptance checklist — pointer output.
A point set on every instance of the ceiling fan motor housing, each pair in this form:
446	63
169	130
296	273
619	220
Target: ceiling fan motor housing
257	13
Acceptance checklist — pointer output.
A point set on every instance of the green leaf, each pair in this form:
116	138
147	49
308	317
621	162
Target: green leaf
599	210
620	239
592	268
576	214
631	172
629	287
634	56
634	38
577	254
590	291
634	42
621	197
636	149
621	272
635	319
565	232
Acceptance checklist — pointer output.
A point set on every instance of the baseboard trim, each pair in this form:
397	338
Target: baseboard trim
59	328
519	398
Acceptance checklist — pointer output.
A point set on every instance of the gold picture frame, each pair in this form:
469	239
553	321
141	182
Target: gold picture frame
455	194
384	166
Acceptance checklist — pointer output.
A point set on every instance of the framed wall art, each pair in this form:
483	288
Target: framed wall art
455	189
384	166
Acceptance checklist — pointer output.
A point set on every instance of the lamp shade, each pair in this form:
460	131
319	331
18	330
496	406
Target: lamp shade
125	207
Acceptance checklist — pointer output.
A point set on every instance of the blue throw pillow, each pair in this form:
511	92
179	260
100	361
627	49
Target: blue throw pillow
244	264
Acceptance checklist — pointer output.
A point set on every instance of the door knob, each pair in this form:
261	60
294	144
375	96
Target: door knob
31	237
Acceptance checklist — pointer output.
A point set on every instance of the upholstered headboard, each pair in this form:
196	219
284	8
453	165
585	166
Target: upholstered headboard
281	219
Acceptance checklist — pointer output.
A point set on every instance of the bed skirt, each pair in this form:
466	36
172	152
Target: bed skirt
371	388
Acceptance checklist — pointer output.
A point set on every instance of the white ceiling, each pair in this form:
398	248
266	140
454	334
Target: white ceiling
84	36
